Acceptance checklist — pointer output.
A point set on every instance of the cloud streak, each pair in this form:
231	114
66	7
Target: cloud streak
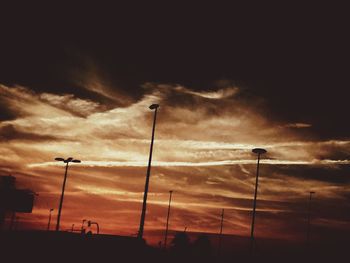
198	164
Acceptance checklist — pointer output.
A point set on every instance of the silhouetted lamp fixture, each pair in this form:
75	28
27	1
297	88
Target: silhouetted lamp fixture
66	161
259	152
143	213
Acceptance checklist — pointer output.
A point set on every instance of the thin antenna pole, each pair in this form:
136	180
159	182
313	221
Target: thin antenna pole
308	218
221	226
167	221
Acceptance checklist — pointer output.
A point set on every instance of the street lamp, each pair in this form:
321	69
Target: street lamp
143	214
48	224
258	151
67	161
308	218
167	220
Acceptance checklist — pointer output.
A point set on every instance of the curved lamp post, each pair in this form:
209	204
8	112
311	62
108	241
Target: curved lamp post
259	152
143	213
67	161
94	223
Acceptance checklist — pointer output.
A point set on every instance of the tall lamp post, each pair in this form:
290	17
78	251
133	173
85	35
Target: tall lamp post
308	218
167	220
143	214
259	152
67	161
48	224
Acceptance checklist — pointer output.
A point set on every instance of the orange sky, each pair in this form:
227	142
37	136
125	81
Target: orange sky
202	152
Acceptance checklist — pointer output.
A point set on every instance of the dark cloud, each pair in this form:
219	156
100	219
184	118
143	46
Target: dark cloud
337	175
9	132
5	113
300	74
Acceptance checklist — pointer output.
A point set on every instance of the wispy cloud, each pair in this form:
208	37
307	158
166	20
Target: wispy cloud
218	94
197	164
298	125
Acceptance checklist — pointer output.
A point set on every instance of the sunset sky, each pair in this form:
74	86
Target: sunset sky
225	85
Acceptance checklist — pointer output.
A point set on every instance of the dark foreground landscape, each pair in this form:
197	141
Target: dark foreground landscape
41	246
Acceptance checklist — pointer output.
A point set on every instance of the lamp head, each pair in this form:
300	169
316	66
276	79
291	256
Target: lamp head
154	106
259	151
59	159
76	161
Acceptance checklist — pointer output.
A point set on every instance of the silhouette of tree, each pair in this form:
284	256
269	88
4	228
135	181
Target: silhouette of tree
180	245
202	249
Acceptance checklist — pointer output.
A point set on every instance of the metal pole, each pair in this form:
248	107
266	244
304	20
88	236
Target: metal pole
308	219
61	201
48	224
257	151
255	195
167	221
143	214
220	236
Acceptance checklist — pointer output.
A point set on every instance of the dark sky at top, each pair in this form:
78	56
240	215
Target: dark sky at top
295	57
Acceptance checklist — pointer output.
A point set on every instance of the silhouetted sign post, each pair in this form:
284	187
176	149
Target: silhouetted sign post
12	199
